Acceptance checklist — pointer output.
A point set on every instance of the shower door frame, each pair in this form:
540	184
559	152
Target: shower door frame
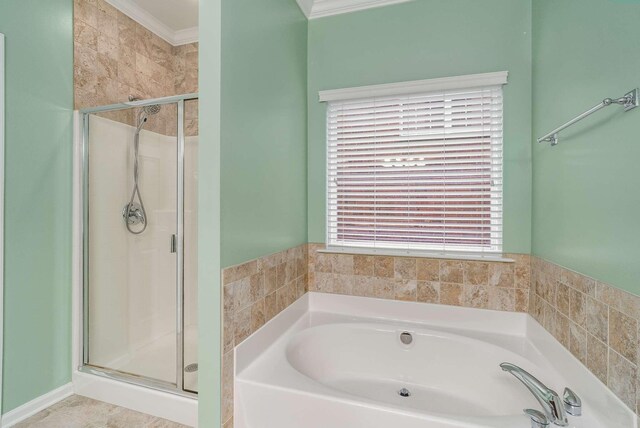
84	365
2	172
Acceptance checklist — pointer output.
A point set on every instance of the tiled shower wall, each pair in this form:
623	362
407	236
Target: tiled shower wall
598	323
115	57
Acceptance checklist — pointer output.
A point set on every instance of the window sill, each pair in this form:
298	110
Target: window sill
481	257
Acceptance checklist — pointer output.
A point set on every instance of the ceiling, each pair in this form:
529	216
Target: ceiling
176	21
175	14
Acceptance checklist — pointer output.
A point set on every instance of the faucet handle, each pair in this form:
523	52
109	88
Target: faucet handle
538	419
572	403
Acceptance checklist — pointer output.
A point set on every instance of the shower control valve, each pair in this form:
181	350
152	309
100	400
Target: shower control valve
133	214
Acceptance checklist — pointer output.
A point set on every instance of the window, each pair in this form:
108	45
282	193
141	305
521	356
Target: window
419	170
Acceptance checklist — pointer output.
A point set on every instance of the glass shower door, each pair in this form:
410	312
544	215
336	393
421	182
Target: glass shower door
132	260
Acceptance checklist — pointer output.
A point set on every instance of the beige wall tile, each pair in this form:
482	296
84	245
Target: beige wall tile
623	334
501	299
342	264
227	386
476	273
383	267
235	273
228	331
562	299
256	286
428	269
578	342
343	284
242	325
106	8
270	279
428	292
241	293
522	270
382	288
363	265
577	306
475	296
257	315
597	321
86	12
270	306
405	268
406	290
561	330
451	271
597	357
450	293
107	24
622	378
86	35
502	275
323	263
522	300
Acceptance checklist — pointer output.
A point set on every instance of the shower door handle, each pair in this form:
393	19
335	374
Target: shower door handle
173	244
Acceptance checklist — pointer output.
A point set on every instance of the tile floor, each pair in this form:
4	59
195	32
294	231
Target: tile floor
82	412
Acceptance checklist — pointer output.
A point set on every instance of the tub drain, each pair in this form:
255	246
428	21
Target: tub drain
404	392
191	368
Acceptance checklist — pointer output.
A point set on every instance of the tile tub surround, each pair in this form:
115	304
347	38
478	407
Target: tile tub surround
254	292
479	284
597	322
115	57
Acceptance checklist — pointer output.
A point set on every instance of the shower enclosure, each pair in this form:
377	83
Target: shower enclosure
139	237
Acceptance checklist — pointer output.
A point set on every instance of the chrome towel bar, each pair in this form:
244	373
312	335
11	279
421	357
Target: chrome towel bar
629	101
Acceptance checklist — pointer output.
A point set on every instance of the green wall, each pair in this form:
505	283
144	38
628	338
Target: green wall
421	40
264	84
586	198
209	296
38	169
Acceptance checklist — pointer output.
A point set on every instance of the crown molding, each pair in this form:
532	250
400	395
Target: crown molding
188	35
306	6
320	8
151	23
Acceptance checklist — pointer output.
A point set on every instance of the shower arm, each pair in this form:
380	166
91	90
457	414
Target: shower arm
629	101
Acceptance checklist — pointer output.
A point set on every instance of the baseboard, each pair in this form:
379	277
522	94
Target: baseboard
37	404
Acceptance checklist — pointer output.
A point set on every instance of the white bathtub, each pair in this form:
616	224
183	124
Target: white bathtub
333	361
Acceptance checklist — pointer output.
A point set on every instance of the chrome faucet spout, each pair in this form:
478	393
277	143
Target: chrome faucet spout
548	398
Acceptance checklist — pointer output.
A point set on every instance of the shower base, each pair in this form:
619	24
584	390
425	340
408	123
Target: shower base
156	360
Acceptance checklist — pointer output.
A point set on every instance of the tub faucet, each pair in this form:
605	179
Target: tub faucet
548	398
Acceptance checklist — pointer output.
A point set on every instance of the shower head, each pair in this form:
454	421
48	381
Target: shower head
147	111
152	109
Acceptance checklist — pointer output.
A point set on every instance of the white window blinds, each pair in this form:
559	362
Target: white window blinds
416	172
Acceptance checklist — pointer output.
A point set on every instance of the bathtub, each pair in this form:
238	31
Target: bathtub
331	361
